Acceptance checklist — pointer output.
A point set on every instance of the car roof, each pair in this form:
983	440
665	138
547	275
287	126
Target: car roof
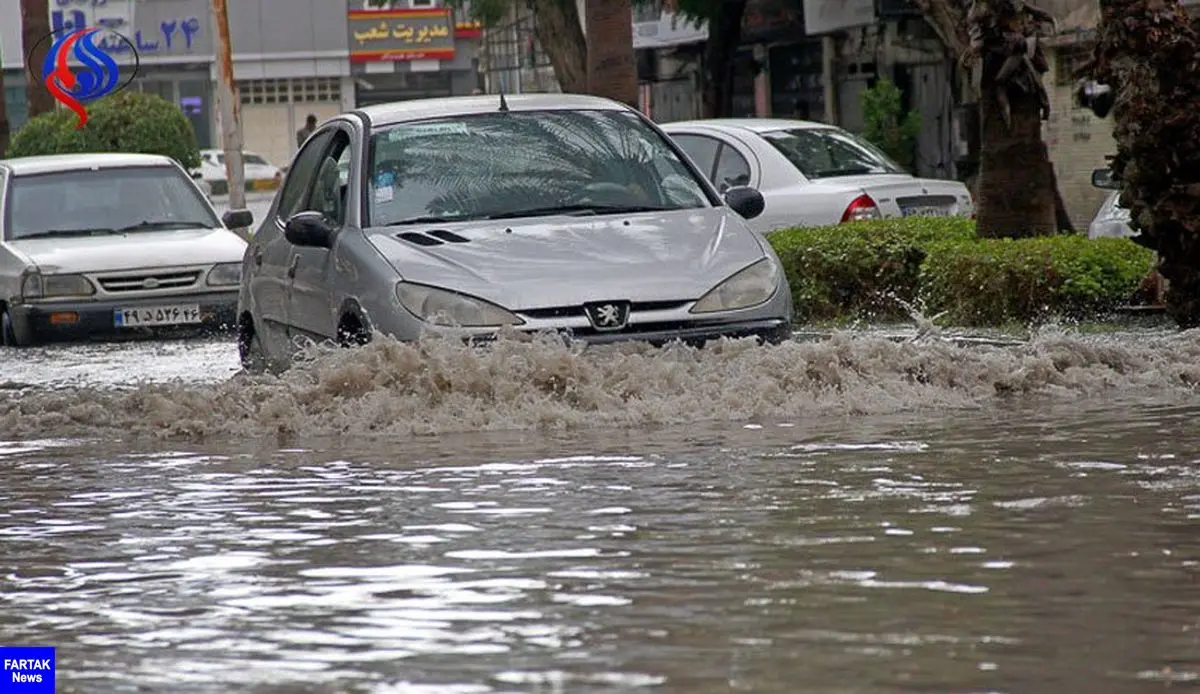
757	125
54	163
418	109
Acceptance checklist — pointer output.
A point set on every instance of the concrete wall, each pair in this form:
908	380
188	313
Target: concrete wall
1078	141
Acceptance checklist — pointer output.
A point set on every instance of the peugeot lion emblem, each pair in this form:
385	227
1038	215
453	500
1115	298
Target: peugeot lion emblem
611	315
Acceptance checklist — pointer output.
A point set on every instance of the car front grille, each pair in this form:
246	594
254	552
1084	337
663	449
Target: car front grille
576	311
149	282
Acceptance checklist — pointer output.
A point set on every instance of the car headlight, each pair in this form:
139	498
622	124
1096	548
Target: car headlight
451	309
225	274
748	287
38	286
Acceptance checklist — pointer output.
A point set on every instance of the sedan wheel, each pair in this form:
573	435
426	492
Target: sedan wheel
10	336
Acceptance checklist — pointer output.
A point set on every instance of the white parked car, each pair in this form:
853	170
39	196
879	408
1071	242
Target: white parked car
111	244
812	174
260	174
1111	219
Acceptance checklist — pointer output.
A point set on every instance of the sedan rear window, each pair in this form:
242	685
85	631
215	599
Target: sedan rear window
126	200
829	152
504	164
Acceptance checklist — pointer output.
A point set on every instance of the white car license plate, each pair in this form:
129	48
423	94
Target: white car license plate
926	212
149	316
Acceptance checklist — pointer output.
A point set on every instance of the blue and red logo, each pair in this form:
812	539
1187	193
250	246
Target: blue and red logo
96	74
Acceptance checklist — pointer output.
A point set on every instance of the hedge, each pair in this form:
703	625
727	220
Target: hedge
878	270
127	121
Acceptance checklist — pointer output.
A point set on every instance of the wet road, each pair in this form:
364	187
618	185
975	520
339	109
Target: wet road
859	514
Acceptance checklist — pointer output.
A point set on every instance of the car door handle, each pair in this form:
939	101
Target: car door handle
292	267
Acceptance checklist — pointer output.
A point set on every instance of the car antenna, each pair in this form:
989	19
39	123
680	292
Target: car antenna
503	103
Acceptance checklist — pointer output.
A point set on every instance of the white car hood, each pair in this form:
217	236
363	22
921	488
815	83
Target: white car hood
566	261
136	250
1111	220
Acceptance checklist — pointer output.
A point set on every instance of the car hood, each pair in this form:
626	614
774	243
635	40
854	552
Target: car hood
135	250
885	188
566	261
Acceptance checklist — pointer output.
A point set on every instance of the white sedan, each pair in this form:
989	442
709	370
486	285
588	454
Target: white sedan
812	174
260	174
111	244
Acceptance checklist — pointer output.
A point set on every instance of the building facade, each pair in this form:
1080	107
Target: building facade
291	58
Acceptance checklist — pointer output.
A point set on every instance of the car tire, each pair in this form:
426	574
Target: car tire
10	334
251	352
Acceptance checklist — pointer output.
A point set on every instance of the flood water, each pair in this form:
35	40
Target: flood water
857	514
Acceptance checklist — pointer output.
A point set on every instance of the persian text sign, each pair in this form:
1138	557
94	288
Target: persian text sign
26	670
388	35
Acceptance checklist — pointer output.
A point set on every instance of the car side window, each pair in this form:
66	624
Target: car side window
701	149
732	169
328	194
300	176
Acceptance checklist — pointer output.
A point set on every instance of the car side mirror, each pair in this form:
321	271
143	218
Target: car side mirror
308	229
237	219
746	201
1103	178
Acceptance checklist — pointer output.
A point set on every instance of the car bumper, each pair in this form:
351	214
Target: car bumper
770	330
81	319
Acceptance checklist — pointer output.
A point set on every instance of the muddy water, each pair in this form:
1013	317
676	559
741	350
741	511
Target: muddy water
859	514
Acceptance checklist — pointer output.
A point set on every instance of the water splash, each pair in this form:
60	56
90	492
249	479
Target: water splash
439	386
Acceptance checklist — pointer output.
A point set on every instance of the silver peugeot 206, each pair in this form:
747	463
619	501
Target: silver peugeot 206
472	215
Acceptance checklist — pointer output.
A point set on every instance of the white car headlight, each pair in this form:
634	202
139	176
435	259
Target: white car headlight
225	275
748	287
451	309
38	286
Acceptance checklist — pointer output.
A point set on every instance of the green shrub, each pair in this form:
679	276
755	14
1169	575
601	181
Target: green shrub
877	270
127	121
995	281
861	268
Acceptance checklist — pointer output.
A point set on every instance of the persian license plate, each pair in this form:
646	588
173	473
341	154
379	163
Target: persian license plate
926	211
264	184
150	316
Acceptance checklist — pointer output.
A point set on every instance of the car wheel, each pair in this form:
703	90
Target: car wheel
10	335
250	350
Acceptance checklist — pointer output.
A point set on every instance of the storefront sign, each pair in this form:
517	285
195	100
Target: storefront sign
826	16
390	35
148	34
669	29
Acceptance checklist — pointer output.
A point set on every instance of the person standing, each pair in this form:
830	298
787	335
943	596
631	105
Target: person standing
310	124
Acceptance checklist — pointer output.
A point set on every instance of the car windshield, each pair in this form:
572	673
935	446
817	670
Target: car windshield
525	163
125	200
829	152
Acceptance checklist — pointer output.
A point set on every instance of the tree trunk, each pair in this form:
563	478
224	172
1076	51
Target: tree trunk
1062	219
724	35
560	34
35	41
5	128
1149	52
611	70
1015	189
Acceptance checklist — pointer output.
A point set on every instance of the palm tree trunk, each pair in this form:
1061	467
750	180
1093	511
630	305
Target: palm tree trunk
5	128
35	23
1015	188
560	34
611	71
724	35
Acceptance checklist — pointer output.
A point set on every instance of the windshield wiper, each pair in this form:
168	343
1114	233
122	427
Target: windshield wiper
580	209
430	219
163	224
69	232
